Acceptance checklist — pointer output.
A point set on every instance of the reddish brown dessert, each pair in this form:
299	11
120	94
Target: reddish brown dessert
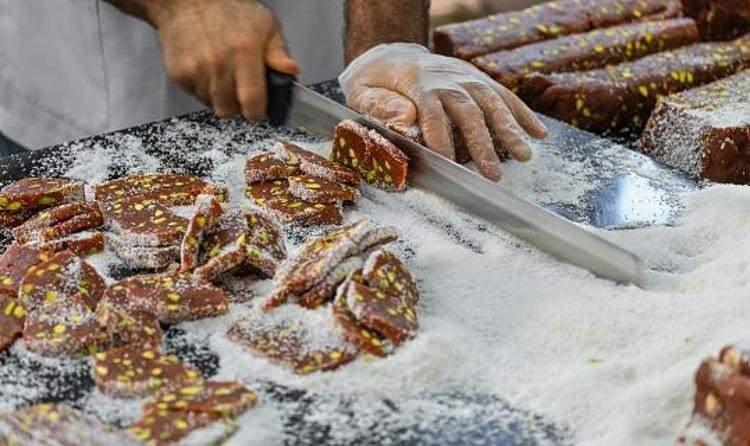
623	96
220	399
124	325
325	290
594	49
276	200
545	21
59	222
145	222
38	193
720	19
266	167
80	244
705	131
138	370
318	190
12	317
374	157
14	264
165	189
207	212
63	329
315	165
352	330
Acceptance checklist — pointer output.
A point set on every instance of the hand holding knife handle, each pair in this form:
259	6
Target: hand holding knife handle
279	96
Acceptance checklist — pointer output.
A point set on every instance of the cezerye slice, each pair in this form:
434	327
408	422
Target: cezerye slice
164	188
207	212
319	190
316	165
145	222
275	200
14	264
59	222
378	161
266	167
12	316
35	193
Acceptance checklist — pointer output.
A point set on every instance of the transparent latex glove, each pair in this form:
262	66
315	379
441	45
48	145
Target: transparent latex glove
406	84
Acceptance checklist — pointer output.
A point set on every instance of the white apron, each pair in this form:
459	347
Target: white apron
73	68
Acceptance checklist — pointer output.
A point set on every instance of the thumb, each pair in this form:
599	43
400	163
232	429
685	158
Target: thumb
384	105
277	56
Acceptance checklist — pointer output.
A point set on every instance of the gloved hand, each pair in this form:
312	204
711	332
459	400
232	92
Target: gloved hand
218	50
406	83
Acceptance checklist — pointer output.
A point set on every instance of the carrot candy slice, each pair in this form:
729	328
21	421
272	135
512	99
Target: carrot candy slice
277	201
207	211
319	190
59	222
12	317
145	222
217	398
163	188
137	370
386	314
316	165
14	264
124	325
266	167
353	331
37	193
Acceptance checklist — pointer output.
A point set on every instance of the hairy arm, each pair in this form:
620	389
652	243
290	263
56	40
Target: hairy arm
370	23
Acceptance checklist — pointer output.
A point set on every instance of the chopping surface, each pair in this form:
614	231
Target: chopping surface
584	178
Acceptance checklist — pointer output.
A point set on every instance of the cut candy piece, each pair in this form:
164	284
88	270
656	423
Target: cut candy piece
594	49
266	167
59	222
548	20
221	263
10	219
315	260
59	278
385	272
168	427
80	244
705	131
383	313
166	189
319	190
275	199
325	291
266	236
15	263
207	212
58	424
316	165
215	398
621	97
377	159
12	316
144	257
145	222
124	325
66	328
354	332
138	370
293	341
719	19
174	297
36	193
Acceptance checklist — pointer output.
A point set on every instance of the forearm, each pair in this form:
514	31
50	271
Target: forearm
142	9
370	23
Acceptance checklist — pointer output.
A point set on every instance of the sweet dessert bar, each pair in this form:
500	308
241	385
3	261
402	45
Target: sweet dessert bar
719	19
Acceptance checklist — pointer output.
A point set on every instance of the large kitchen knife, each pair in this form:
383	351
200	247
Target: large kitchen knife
547	231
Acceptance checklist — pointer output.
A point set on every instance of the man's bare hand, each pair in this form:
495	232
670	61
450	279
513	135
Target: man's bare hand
218	50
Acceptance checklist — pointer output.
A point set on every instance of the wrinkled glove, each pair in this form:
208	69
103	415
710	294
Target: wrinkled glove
404	83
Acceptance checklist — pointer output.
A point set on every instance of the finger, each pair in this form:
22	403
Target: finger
250	81
503	122
468	117
435	126
523	114
222	90
385	105
186	73
277	56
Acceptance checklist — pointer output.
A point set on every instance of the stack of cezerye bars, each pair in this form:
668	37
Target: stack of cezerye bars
342	294
606	65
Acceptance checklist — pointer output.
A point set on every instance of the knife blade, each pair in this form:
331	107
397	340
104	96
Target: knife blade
465	188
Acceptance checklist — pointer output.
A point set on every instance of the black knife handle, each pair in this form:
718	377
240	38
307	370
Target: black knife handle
279	96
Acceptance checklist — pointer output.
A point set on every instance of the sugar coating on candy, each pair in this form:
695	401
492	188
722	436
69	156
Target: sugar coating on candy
548	20
267	167
124	325
143	257
61	277
64	329
386	314
301	344
220	399
173	297
318	190
623	96
80	244
226	260
316	165
325	290
166	189
12	317
145	222
207	211
15	262
59	222
10	219
58	424
704	131
387	273
137	370
275	199
265	235
594	49
378	161
355	333
315	260
36	193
